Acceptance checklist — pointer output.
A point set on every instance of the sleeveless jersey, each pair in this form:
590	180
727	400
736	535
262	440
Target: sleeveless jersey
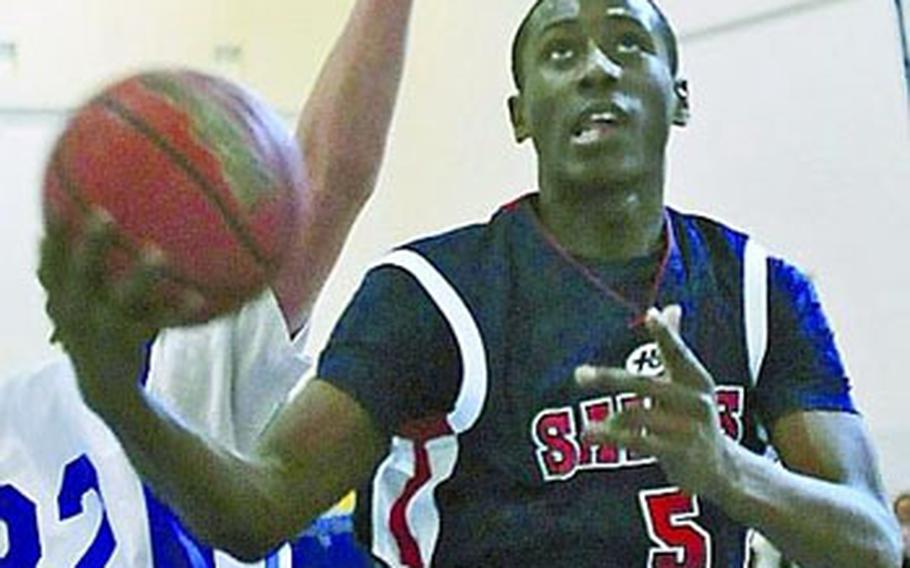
463	348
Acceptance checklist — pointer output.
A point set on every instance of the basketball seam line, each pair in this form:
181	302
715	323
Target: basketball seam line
244	238
69	186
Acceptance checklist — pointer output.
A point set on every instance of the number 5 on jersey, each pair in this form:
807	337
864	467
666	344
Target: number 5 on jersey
679	541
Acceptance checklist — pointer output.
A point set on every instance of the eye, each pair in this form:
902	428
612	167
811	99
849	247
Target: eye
631	43
560	52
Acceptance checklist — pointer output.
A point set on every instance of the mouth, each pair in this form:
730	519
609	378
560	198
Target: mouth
596	125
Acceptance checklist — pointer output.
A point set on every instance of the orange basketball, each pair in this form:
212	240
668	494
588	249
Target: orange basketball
192	165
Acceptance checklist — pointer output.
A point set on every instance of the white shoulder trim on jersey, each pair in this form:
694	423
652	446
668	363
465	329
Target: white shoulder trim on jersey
755	304
473	392
405	516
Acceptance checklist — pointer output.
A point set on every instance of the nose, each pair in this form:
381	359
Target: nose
599	69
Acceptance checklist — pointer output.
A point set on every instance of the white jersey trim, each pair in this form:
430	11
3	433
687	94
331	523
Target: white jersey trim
473	393
755	318
755	305
439	456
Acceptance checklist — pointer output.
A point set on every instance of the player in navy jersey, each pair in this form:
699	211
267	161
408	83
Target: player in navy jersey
589	379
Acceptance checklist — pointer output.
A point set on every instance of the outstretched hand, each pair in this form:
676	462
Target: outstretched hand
680	426
104	327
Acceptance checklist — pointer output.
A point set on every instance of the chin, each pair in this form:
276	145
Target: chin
605	176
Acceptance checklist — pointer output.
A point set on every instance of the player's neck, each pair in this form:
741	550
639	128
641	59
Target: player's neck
605	223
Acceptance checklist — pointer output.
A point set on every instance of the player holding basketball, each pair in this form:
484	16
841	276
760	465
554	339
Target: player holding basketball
502	394
222	380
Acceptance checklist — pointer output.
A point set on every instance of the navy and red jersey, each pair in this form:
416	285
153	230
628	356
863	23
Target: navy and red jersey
462	347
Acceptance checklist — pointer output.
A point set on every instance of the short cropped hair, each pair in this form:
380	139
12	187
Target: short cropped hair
664	28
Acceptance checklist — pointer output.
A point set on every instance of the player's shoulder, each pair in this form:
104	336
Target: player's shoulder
459	238
698	232
52	371
458	241
471	260
46	384
696	229
476	244
720	239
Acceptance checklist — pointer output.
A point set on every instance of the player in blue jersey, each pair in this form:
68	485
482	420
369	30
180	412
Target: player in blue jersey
68	496
589	379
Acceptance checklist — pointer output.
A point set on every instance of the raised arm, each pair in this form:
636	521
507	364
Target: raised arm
342	133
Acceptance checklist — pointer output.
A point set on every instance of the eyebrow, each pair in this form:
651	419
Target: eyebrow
566	22
615	13
619	13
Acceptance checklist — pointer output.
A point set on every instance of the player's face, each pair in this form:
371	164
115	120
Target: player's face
598	95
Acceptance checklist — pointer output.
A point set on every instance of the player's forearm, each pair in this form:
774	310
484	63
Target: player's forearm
812	521
342	132
225	500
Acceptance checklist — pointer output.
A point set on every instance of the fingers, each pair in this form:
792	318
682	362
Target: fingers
662	393
637	439
89	263
146	295
682	365
653	421
135	294
60	260
673	316
75	269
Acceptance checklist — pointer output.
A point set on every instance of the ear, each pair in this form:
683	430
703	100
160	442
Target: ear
516	115
682	111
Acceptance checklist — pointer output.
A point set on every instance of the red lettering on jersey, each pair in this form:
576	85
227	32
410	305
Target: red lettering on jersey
679	541
594	456
560	451
626	401
730	408
556	436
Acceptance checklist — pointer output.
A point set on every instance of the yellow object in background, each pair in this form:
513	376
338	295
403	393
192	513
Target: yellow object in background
343	507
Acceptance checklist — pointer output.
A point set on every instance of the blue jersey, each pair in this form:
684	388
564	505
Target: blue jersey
69	497
463	347
68	494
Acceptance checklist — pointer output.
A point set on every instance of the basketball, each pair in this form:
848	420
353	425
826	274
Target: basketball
188	165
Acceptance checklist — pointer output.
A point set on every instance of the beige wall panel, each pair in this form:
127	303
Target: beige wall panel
67	48
284	44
